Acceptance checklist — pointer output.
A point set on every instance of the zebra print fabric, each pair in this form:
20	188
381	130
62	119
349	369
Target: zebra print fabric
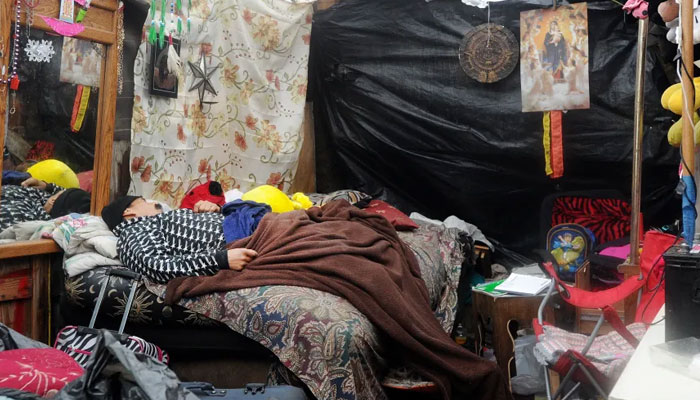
79	343
609	219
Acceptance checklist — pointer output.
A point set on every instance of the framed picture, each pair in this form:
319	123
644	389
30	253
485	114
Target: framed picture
163	81
81	62
554	58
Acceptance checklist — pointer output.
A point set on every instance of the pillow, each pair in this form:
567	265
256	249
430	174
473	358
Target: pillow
41	371
400	220
352	196
85	180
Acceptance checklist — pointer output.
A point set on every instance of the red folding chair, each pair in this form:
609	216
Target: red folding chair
574	365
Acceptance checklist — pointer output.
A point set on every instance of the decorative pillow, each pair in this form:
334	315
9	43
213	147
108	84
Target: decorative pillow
40	371
352	196
85	180
396	217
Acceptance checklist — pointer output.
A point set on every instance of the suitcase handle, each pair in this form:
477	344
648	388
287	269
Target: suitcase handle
205	387
124	273
254	388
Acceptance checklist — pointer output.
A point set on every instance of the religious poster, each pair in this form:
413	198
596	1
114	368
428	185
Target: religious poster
81	62
554	58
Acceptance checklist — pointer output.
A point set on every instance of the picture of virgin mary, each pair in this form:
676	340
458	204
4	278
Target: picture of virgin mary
555	51
554	58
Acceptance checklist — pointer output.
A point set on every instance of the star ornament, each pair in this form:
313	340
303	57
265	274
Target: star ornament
202	79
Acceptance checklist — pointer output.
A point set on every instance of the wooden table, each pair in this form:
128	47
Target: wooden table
503	316
643	380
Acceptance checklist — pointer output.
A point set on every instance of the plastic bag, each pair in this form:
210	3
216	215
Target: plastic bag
530	374
115	372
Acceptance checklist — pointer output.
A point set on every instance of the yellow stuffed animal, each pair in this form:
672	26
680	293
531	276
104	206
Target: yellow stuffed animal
56	172
675	132
672	98
276	199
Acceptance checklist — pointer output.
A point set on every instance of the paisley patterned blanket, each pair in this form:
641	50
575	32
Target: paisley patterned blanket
321	338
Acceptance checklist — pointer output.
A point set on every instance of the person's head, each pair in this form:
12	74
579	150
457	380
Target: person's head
68	201
554	26
128	207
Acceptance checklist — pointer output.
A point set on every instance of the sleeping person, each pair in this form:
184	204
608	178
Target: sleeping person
164	245
338	249
36	200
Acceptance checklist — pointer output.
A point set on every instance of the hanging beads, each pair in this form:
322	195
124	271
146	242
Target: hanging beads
13	80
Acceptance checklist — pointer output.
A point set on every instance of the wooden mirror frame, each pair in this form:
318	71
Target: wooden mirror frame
101	22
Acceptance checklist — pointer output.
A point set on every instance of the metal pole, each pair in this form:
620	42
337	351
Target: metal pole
642	31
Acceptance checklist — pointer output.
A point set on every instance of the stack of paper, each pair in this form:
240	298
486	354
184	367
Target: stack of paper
523	284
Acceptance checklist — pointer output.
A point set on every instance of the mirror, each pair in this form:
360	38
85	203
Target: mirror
50	133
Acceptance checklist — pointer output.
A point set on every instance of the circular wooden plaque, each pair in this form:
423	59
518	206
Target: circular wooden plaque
489	53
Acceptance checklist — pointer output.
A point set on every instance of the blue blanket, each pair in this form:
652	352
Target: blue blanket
241	218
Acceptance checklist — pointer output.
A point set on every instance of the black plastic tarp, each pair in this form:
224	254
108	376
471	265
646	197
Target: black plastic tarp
395	113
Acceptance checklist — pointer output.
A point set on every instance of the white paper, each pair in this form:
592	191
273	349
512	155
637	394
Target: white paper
523	284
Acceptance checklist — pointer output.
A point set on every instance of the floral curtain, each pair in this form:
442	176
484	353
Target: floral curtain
251	135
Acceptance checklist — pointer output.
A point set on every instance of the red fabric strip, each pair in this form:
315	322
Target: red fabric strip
76	106
615	321
557	146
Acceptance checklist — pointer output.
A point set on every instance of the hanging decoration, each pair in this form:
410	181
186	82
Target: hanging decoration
554	58
13	79
80	104
557	145
39	50
552	141
204	75
120	48
489	53
547	143
159	30
63	28
67	9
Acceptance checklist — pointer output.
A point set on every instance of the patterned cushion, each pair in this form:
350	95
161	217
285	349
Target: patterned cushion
393	214
352	196
40	371
147	310
424	243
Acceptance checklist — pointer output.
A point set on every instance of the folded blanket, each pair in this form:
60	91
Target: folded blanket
609	353
345	251
27	230
242	217
87	243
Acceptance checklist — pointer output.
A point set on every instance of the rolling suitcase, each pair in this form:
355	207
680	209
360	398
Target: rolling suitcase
79	341
258	391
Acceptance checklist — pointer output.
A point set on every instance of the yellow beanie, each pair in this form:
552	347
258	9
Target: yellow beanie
56	172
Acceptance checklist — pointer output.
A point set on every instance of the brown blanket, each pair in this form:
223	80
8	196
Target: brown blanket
356	255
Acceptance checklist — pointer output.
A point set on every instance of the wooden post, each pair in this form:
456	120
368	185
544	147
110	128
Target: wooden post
688	141
642	31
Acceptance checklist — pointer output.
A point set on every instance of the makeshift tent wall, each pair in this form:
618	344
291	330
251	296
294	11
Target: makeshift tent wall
395	111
